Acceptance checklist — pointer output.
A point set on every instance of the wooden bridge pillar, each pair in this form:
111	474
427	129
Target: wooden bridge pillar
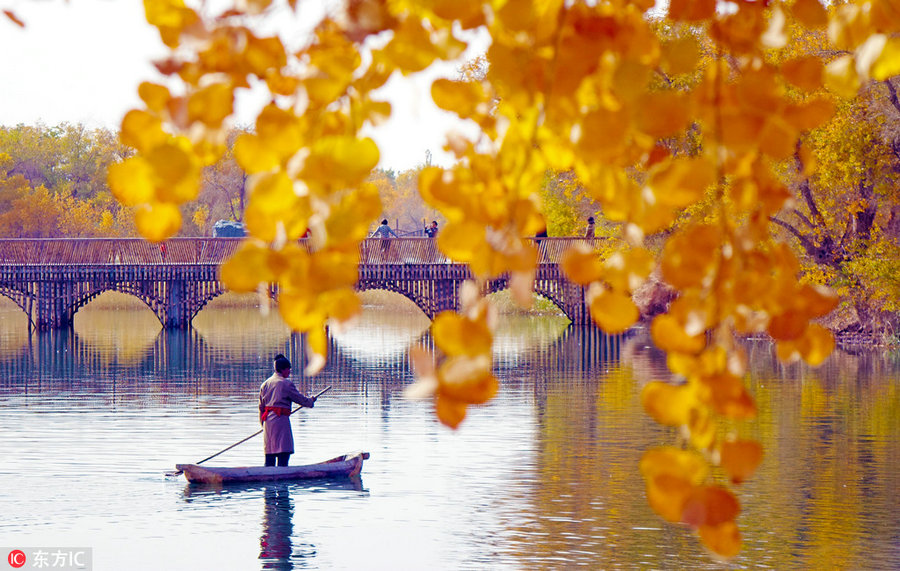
174	310
54	306
576	308
445	296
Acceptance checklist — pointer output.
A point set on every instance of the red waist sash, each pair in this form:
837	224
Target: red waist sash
278	410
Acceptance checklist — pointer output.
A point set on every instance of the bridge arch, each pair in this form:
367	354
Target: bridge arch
417	299
21	298
124	288
547	291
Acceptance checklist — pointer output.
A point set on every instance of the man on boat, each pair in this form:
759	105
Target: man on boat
275	397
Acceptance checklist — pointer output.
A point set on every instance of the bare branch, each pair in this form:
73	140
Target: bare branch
803	218
892	94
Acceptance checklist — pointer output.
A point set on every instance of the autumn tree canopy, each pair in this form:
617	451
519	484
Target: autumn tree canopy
677	121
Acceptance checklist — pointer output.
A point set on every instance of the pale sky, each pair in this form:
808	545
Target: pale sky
81	62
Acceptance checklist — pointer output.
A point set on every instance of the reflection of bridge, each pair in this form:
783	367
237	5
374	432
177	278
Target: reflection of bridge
52	279
53	359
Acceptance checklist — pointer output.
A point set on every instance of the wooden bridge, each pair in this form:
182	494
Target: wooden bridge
52	279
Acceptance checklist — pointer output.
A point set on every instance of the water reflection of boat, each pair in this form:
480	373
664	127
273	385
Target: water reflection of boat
194	492
347	465
280	545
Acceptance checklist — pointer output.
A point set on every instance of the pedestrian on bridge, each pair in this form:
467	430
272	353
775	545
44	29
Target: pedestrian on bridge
589	231
385	233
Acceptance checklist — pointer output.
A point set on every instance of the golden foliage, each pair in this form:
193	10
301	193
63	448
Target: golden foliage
571	87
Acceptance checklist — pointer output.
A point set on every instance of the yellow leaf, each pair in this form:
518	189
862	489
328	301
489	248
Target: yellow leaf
461	97
810	13
264	54
662	114
470	14
281	84
415	46
335	163
342	304
681	182
462	240
777	139
155	96
614	124
816	344
710	506
317	341
300	310
690	256
211	105
247	269
272	192
727	395
740	458
788	325
805	72
157	221
816	300
467	380
348	220
366	17
810	114
667	495
702	428
131	181
741	31
887	64
253	156
692	10
316	350
669	405
841	77
278	131
333	269
741	129
723	539
449	411
684	464
171	17
680	55
458	335
176	171
670	336
614	311
581	265
142	131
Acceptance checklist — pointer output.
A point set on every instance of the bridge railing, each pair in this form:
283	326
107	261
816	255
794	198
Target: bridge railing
100	251
424	250
116	251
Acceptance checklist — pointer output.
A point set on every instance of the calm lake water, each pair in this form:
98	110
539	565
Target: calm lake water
544	477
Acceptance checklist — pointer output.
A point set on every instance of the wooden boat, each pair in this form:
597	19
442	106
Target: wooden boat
340	467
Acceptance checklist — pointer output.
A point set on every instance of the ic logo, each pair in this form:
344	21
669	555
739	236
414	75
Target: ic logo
16	558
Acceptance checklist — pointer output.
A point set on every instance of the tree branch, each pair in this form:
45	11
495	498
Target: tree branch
803	218
804	241
892	94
